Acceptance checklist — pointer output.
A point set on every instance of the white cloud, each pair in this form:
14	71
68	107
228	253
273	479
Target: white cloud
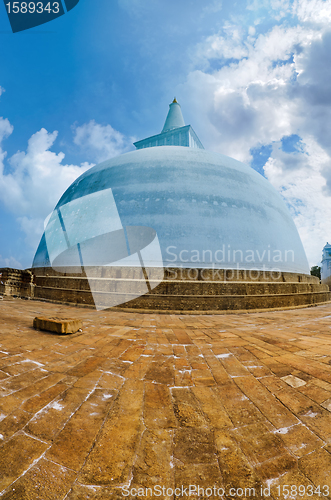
32	181
35	179
101	142
278	87
299	177
313	11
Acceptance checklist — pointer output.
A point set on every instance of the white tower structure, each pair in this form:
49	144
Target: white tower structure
326	265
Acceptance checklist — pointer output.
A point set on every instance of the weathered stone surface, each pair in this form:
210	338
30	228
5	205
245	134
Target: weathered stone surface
111	460
158	408
235	468
47	423
16	456
194	446
44	481
74	442
128	403
14	422
201	290
153	463
57	325
300	440
186	409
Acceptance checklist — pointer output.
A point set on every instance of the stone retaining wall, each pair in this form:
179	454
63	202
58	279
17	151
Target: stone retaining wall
181	289
17	283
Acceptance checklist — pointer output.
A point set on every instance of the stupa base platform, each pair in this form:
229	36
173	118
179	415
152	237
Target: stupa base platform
181	290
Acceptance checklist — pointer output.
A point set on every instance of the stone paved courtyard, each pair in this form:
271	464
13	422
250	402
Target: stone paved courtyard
223	402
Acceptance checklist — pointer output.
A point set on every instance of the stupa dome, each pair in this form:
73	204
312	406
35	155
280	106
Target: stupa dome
172	226
208	210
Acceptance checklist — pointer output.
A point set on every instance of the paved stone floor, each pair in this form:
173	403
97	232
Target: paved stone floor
226	403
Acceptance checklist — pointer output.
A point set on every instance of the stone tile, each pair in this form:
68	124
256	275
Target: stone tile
273	384
316	393
3	375
112	457
198	480
89	381
318	420
236	470
300	440
40	386
203	378
258	443
316	466
13	423
132	353
293	381
278	368
186	408
139	368
293	399
44	481
22	381
36	403
212	408
272	469
327	404
158	408
183	378
194	446
47	423
110	381
237	405
9	403
217	369
153	464
275	412
86	366
232	366
161	371
20	367
16	456
72	445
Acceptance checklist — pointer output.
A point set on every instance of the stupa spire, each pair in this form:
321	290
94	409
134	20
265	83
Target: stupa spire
174	118
174	132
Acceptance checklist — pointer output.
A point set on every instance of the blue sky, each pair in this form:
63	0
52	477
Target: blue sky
252	78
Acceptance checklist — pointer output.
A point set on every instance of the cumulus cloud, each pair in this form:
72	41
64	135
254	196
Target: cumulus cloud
101	141
313	11
299	177
268	86
32	181
35	179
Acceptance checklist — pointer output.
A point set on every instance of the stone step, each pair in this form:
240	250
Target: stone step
224	302
185	302
183	274
127	287
176	287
